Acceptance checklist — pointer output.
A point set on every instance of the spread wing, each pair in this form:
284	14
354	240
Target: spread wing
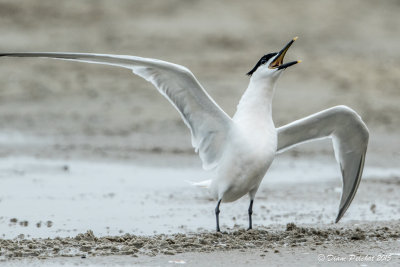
208	123
350	140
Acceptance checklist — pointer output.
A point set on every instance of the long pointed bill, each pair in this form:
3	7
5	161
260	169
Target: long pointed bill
278	62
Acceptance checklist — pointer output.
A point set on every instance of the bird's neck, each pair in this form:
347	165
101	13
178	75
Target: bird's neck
255	106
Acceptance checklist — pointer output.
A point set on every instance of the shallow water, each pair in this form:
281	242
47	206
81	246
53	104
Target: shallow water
48	198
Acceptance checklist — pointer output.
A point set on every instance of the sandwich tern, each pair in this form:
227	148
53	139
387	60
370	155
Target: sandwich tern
241	149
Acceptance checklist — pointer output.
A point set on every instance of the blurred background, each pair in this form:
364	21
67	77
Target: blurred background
78	140
48	108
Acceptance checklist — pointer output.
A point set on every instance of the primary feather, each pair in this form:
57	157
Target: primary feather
350	140
208	123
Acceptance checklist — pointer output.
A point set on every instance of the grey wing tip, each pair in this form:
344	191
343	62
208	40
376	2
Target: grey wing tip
340	215
350	198
11	54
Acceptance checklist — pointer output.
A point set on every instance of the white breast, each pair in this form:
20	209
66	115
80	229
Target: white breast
245	162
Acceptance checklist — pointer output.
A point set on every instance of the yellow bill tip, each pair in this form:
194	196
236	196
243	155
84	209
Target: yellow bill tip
299	61
295	38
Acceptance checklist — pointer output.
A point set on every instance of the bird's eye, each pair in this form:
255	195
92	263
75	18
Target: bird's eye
263	61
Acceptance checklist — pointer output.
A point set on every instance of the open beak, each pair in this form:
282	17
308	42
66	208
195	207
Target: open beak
278	62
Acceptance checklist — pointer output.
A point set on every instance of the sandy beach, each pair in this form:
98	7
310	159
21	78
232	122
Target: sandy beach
94	162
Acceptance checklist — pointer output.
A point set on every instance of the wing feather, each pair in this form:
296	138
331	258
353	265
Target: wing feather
208	123
349	137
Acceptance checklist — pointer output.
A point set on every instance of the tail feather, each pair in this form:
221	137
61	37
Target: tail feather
202	184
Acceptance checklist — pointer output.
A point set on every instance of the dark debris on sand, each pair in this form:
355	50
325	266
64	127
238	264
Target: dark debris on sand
238	239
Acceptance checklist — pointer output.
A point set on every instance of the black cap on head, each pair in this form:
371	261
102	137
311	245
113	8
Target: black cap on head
264	59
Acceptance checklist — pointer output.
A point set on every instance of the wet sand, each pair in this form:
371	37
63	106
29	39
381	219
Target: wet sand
337	245
260	242
149	215
55	198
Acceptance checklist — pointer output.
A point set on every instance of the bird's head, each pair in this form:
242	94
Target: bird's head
271	66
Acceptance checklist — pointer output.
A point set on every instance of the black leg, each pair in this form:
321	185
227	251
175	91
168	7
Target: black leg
217	215
250	213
